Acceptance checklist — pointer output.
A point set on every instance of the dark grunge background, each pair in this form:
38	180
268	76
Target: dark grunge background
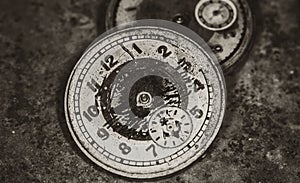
40	41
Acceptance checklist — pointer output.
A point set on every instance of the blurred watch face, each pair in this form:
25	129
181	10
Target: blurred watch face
226	25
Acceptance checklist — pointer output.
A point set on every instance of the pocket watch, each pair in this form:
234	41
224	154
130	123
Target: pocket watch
146	99
226	25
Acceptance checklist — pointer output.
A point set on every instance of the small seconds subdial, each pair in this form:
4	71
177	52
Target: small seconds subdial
216	15
170	127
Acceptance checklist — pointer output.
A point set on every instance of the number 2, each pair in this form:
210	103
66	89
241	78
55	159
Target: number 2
164	51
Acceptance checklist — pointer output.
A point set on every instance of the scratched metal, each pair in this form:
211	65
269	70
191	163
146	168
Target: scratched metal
180	81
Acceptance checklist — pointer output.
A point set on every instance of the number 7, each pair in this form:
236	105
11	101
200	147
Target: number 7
153	149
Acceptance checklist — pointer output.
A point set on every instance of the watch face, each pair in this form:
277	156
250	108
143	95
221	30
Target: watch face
145	100
226	25
216	15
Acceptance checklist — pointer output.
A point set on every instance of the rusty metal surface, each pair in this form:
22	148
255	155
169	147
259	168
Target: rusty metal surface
40	43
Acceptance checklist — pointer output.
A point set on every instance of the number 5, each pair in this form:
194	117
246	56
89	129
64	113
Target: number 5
196	112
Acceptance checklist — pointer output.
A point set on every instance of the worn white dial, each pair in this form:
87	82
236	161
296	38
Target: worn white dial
127	81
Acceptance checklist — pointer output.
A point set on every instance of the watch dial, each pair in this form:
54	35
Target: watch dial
216	15
145	100
226	25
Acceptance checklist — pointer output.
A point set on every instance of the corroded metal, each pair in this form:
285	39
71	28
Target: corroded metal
146	99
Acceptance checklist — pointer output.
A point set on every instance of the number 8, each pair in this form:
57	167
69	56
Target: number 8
125	149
